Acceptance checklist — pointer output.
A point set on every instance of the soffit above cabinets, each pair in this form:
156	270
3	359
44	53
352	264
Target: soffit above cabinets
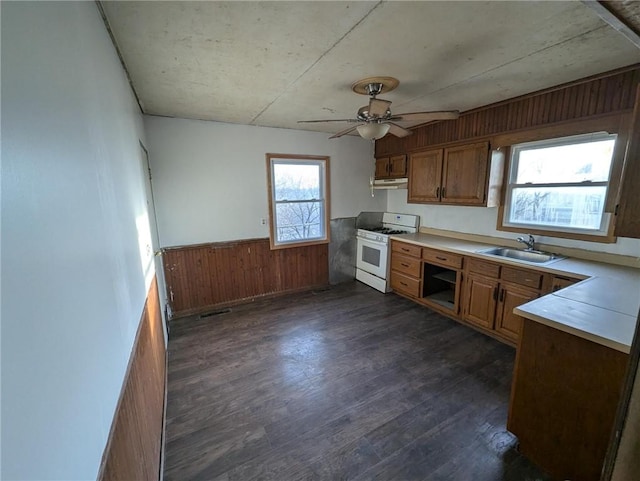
273	63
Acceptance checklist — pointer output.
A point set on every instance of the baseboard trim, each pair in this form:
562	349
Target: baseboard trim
245	300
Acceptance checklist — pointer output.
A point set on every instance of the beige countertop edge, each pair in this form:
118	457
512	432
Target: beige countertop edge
579	268
619	339
589	321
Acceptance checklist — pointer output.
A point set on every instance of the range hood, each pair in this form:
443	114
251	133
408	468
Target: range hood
390	183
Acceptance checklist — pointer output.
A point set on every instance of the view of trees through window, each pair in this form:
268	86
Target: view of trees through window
299	203
562	185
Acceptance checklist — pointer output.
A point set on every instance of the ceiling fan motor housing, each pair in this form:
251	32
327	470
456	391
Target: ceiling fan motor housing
363	114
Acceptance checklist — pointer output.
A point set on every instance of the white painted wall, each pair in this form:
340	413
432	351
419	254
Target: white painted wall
483	221
210	178
73	212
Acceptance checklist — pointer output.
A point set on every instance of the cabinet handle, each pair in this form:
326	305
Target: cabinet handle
404	249
501	295
402	283
441	258
443	193
495	293
437	192
404	265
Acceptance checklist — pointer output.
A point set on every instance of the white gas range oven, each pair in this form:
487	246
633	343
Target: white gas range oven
373	256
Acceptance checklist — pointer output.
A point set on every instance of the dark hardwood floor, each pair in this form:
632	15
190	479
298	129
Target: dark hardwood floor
345	383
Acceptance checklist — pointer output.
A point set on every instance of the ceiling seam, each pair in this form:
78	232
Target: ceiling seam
105	20
317	60
619	24
503	65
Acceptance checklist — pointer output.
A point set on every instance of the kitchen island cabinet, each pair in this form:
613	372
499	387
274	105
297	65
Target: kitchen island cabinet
564	398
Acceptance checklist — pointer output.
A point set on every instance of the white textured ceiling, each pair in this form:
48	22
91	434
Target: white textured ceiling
273	63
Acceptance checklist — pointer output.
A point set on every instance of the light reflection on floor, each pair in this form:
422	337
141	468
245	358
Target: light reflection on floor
304	350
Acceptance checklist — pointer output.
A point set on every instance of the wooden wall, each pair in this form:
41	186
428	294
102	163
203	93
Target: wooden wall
134	447
202	276
588	98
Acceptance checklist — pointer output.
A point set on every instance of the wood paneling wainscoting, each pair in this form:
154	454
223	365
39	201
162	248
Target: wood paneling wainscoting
211	275
134	446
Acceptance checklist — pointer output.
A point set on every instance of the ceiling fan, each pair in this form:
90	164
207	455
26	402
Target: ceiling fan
376	120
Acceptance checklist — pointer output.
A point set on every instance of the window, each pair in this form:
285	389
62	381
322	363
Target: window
560	185
298	199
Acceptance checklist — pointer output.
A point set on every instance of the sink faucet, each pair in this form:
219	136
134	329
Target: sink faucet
530	243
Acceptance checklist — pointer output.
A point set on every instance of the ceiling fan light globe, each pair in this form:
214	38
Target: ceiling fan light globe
373	131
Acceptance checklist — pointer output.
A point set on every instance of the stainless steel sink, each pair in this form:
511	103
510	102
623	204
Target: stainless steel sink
535	257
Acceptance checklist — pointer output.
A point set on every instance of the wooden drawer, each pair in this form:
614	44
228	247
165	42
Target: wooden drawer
405	284
407	265
560	282
406	249
488	269
524	278
442	258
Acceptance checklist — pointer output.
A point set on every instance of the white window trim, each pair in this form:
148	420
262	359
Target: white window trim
606	218
291	159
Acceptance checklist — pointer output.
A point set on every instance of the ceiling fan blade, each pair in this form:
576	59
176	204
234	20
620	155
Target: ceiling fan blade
398	131
427	116
328	120
344	132
378	107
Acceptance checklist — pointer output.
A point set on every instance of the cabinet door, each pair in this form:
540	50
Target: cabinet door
480	297
382	168
464	174
508	324
425	172
398	166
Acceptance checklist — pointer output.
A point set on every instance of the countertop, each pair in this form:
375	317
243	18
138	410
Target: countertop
602	308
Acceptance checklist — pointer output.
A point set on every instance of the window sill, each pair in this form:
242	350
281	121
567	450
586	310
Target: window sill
609	238
290	245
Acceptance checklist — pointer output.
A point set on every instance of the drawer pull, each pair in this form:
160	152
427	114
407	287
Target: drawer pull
404	249
441	258
404	284
404	265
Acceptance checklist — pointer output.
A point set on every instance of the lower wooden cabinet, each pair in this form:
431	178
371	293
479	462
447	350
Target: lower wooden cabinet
404	284
406	269
560	282
509	324
480	299
484	294
492	292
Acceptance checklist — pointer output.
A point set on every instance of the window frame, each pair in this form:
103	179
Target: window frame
325	191
606	233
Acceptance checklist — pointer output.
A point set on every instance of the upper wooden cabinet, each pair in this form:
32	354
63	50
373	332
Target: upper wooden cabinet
460	175
425	172
392	167
464	174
